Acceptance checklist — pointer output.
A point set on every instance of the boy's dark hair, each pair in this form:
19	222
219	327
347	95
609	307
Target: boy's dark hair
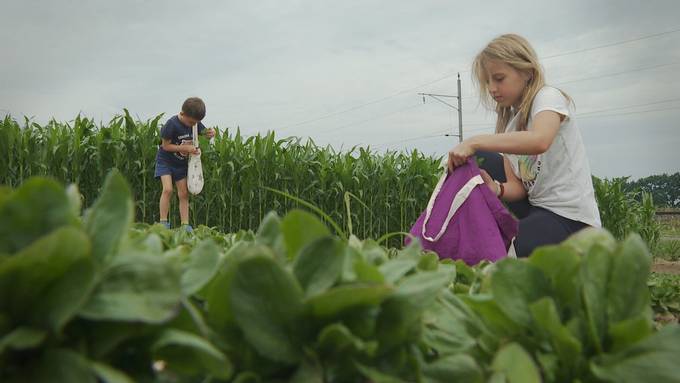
194	107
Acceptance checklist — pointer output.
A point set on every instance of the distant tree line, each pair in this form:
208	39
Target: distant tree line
665	188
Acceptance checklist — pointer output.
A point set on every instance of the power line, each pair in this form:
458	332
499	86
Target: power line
386	144
577	115
371	119
486	124
628	106
365	104
588	114
617	73
628	113
610	44
603	75
446	76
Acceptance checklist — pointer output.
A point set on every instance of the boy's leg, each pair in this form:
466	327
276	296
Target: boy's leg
183	194
543	227
166	194
493	164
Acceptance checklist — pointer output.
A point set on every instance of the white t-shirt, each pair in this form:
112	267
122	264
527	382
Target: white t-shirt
558	180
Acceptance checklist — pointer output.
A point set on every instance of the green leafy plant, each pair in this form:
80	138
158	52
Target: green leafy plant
624	212
92	296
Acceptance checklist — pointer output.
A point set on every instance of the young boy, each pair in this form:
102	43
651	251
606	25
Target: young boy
173	155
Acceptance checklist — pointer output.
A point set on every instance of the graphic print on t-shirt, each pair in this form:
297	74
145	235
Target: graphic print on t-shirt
529	167
183	139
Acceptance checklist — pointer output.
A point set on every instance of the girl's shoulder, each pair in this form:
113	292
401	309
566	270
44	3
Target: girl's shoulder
550	98
550	93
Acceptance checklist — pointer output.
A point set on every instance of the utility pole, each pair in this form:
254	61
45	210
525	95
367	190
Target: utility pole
459	108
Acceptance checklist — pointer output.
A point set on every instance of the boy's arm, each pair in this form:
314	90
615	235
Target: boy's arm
170	147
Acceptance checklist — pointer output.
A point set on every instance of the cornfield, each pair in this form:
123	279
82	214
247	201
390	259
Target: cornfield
386	192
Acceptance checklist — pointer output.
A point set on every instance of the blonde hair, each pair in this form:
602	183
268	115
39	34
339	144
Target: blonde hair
516	52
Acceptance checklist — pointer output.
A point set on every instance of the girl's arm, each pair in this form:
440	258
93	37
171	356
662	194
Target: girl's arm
514	189
545	126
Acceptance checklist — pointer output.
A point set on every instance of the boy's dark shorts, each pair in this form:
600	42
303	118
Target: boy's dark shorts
178	173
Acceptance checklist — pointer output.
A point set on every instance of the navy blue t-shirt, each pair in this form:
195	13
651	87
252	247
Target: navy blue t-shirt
178	134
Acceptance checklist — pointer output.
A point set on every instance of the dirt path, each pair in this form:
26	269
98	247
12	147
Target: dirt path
667	267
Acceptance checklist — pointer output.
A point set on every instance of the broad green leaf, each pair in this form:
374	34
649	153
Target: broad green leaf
627	291
67	295
366	272
105	336
493	317
336	340
548	322
36	208
361	321
594	276
108	374
48	281
630	331
5	193
220	315
247	377
22	338
515	285
400	318
299	229
345	297
153	243
516	365
319	264
267	305
395	269
450	268
428	262
201	268
584	239
373	253
74	199
135	287
269	233
464	273
447	325
550	368
190	354
654	359
561	265
376	376
453	368
352	257
60	365
309	371
109	219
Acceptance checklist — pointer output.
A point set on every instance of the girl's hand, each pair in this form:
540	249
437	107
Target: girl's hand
459	155
489	181
210	133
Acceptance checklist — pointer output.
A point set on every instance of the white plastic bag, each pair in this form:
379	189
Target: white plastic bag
195	171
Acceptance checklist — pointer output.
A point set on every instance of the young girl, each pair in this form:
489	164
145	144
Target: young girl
543	173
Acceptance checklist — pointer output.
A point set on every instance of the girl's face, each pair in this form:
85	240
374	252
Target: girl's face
506	84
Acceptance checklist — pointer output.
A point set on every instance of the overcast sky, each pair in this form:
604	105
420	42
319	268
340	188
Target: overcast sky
348	72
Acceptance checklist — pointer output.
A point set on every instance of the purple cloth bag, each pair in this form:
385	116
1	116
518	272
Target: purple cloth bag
465	220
